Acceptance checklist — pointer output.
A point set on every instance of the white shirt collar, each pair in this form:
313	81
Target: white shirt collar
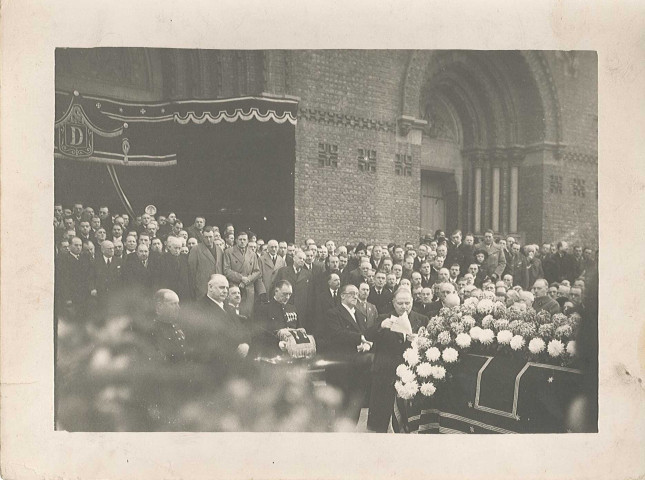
350	310
220	304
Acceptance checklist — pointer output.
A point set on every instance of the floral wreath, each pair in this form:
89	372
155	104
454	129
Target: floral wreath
483	326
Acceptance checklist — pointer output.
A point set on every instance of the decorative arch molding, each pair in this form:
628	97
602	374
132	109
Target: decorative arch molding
479	85
543	78
498	86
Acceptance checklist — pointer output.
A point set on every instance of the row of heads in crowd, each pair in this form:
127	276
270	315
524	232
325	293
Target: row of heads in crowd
141	237
82	222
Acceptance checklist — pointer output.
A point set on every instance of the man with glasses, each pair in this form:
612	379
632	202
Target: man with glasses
346	330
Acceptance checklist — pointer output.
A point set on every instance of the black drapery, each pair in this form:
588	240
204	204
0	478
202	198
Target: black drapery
230	160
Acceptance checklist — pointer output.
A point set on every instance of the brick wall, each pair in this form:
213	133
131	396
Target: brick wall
351	99
569	216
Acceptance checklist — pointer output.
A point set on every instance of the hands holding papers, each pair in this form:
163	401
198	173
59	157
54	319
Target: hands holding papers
399	324
365	346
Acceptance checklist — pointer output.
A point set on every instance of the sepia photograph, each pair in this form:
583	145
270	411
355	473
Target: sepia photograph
374	241
273	239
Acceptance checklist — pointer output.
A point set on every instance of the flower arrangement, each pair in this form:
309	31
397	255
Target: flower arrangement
486	327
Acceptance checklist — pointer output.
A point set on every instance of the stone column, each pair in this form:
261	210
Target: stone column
495	199
505	199
513	206
477	194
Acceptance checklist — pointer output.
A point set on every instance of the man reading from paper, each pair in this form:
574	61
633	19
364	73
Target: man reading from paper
391	339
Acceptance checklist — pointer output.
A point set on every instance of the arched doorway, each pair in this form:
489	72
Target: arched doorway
484	114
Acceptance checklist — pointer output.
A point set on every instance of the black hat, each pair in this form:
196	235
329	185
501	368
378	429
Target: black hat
359	247
482	251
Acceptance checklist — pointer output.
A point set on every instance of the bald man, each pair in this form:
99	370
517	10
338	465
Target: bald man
389	347
215	334
168	338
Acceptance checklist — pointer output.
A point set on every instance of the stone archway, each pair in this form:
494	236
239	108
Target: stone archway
492	108
533	62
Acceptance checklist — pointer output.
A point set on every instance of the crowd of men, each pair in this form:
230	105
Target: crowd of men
345	296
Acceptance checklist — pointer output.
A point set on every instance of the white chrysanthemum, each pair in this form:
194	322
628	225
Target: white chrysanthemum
504	337
411	356
519	306
571	348
438	372
499	306
555	348
433	354
444	337
487	321
408	390
517	342
471	301
406	375
423	342
536	345
489	295
428	389
486	336
463	340
475	333
485	306
450	355
468	321
400	388
424	369
400	370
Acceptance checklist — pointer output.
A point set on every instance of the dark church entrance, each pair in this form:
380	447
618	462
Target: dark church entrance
240	173
231	161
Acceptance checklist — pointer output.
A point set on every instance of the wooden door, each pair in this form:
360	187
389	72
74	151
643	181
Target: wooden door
433	203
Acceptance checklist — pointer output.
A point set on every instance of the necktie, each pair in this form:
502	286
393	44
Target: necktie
273	258
109	261
334	294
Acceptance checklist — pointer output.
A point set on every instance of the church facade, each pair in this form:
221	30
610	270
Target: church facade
385	145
